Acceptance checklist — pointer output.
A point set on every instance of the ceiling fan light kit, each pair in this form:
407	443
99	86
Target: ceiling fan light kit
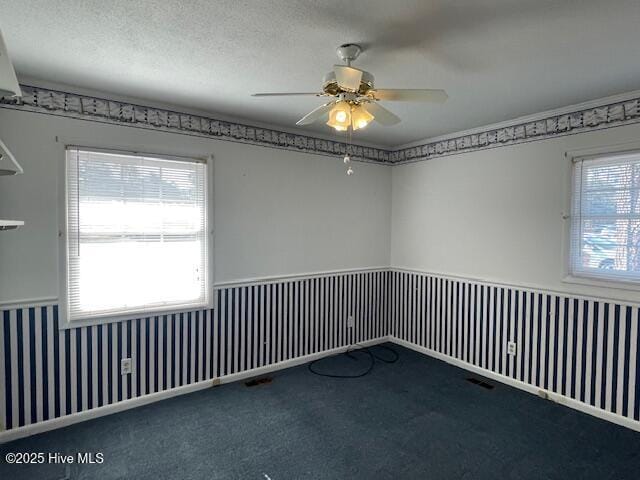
360	117
345	114
340	116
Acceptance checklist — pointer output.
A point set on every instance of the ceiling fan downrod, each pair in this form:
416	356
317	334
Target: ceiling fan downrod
348	52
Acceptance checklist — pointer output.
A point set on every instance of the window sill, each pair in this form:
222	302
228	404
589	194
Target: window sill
602	283
67	323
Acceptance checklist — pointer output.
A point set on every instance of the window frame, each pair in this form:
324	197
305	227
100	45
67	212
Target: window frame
584	278
64	320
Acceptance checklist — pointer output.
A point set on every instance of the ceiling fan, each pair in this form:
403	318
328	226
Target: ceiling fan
354	98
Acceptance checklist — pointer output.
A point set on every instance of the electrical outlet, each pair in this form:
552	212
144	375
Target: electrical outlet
350	321
125	366
511	348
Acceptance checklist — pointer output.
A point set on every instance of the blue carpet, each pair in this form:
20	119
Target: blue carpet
415	419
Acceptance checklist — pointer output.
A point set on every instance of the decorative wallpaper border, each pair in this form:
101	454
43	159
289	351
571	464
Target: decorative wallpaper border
54	102
579	121
84	107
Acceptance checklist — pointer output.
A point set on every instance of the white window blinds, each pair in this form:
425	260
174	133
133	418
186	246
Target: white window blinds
605	227
136	234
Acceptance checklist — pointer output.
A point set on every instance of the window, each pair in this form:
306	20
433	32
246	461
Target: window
605	226
136	234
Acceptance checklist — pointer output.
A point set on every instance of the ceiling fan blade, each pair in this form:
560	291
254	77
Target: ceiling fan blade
411	95
348	78
285	94
315	114
381	114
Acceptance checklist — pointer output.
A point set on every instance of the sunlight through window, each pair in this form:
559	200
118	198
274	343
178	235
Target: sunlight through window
137	233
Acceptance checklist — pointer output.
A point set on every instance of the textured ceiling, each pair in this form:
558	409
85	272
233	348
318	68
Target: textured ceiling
497	59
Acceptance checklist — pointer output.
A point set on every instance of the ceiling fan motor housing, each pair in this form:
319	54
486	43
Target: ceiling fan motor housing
330	85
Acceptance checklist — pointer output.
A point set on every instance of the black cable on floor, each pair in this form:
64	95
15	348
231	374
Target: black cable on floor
394	359
350	353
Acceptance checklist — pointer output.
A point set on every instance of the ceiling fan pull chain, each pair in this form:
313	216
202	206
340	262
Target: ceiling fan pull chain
348	150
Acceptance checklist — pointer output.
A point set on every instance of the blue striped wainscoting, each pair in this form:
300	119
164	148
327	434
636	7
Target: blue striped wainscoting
47	373
583	349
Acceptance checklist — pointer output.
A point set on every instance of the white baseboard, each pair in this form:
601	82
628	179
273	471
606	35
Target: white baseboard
60	422
560	399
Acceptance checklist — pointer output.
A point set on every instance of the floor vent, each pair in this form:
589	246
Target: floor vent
480	383
258	381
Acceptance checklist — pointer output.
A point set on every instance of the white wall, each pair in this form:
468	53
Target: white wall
494	215
277	212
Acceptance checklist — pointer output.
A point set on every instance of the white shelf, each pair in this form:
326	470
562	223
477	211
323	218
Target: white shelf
10	224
